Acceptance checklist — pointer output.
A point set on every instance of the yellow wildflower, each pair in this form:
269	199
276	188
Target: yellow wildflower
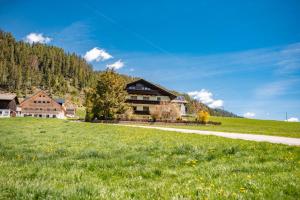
242	190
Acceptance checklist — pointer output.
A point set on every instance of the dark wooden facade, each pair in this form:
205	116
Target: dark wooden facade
8	105
143	95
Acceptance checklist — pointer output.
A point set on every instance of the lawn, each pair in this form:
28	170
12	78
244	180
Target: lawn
60	159
253	126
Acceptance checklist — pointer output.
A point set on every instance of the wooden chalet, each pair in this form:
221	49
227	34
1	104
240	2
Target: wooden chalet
42	105
8	105
142	95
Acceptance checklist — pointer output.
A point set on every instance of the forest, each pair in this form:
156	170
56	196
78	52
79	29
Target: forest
24	67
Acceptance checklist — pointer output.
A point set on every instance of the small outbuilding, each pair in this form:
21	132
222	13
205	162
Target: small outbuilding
8	105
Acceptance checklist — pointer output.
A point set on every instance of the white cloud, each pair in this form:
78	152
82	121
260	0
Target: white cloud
293	119
249	115
116	65
216	104
206	97
37	38
97	54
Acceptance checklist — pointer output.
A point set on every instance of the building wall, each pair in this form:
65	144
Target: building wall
8	104
4	113
41	105
142	105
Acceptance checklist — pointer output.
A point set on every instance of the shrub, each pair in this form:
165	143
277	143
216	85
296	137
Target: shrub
127	115
165	111
203	117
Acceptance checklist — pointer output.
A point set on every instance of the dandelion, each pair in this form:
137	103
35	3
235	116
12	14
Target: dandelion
249	176
242	190
191	162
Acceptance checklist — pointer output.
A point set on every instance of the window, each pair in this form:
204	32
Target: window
41	108
40	115
39	101
44	101
146	98
133	97
134	108
34	102
0	112
48	101
47	116
131	87
146	108
158	99
54	116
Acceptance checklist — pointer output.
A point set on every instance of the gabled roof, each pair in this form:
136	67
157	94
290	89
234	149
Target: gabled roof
154	86
37	93
9	97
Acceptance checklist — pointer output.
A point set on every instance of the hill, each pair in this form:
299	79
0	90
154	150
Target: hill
25	68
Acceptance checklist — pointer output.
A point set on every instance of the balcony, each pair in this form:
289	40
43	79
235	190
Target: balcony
142	112
136	101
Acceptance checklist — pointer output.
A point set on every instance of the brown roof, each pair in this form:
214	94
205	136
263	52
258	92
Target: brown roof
7	96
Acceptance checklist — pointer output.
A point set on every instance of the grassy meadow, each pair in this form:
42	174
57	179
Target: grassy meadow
60	159
253	126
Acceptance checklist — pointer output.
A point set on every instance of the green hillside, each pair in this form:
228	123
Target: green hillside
57	159
24	67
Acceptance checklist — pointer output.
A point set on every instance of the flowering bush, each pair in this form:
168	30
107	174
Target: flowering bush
203	116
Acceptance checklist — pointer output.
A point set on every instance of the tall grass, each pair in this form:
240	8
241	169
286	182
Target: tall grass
56	159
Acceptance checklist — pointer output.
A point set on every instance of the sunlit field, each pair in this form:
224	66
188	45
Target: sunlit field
56	159
253	126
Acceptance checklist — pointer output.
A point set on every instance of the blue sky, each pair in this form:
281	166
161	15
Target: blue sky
242	56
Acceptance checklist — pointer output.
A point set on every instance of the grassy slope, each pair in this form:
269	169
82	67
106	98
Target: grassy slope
254	126
49	158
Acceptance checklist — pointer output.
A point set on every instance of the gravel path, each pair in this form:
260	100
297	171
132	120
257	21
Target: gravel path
242	136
